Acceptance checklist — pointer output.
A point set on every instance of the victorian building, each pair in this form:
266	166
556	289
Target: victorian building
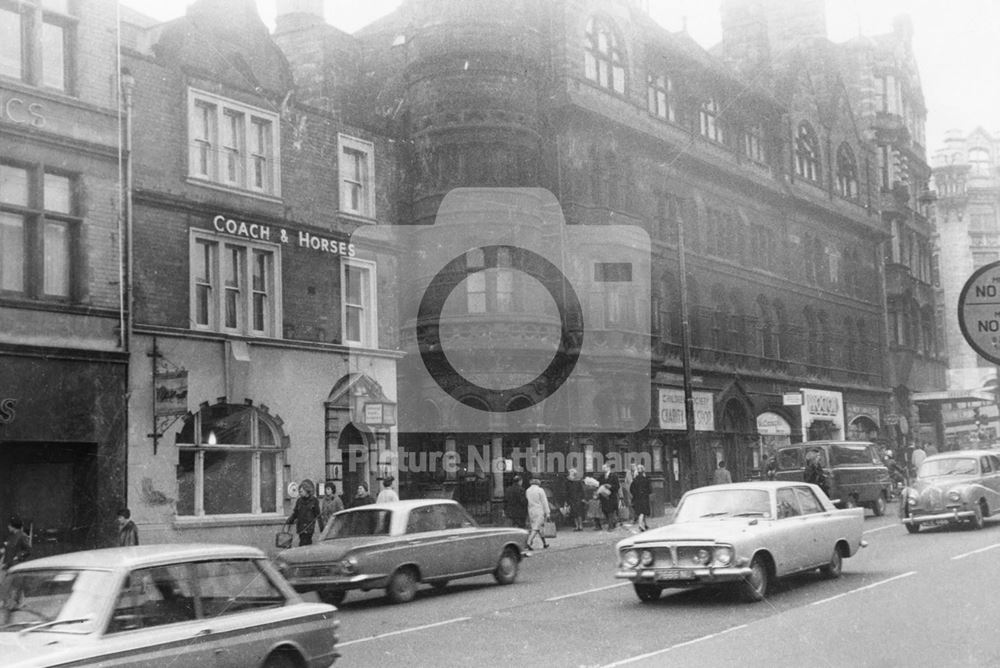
63	341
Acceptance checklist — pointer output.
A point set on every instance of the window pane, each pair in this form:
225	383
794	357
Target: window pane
261	281
185	482
10	45
261	139
53	56
58	194
233	587
233	284
204	139
57	259
268	480
11	252
13	185
353	324
232	143
202	262
228	479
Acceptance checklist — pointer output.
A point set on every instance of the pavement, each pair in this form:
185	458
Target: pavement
567	539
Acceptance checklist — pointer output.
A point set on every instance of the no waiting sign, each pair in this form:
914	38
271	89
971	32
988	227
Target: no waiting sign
979	311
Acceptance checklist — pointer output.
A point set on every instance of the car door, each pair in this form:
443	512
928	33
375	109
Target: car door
991	481
427	543
474	549
818	527
787	540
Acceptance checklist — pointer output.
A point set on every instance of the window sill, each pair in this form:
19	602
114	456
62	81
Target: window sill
358	217
214	185
215	521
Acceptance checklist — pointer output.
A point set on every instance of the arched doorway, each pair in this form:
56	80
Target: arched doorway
862	428
354	455
739	435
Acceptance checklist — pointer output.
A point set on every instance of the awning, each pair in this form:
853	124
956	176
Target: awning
949	396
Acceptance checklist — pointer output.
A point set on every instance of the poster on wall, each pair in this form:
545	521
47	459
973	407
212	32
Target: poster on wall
671	410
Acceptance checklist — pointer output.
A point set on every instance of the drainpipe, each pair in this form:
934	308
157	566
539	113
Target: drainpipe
128	87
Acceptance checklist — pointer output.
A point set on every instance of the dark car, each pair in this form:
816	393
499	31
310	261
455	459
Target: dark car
855	472
395	546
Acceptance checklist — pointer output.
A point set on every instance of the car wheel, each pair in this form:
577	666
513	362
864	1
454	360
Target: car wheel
913	528
879	506
506	571
280	660
402	586
332	596
647	593
754	586
977	519
833	569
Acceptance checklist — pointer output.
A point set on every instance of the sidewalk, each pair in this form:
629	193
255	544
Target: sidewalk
567	539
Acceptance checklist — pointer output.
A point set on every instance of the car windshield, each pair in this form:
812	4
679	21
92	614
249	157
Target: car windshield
358	523
950	466
724	503
53	600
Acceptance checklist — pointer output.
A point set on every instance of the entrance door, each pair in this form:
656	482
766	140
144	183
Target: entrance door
354	460
53	489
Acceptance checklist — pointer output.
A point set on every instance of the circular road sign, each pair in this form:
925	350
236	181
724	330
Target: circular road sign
979	311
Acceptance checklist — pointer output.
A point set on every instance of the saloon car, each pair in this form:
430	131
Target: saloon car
183	606
742	534
953	487
396	546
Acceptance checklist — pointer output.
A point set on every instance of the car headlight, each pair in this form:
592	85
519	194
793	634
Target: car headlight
723	556
630	558
349	565
953	495
702	556
646	558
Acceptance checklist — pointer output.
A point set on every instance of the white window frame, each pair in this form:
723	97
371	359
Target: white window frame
369	320
363	182
245	290
243	150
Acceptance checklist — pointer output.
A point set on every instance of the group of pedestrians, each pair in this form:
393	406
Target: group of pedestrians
309	513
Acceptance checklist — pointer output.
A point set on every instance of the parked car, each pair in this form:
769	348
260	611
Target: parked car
856	474
745	534
953	487
395	546
223	606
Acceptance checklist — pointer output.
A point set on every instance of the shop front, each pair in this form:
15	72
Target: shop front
822	415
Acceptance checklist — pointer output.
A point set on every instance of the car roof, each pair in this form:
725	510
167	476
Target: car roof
809	444
408	504
764	485
142	555
951	454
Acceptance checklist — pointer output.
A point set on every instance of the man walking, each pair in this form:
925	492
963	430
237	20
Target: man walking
128	534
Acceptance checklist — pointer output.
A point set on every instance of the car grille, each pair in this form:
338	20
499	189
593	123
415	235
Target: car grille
671	556
323	571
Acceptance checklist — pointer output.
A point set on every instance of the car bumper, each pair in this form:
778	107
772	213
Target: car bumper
684	577
951	515
341	582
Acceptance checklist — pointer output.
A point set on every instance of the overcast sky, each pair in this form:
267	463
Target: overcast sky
957	43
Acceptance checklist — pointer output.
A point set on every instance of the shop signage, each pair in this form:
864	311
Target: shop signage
823	405
378	413
19	111
299	238
854	411
7	413
772	424
171	393
979	311
671	410
791	399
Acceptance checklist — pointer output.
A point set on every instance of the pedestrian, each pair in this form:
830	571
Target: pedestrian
576	498
594	511
330	505
608	493
814	472
17	547
305	514
771	467
626	490
640	491
538	511
721	475
361	496
388	494
128	534
515	504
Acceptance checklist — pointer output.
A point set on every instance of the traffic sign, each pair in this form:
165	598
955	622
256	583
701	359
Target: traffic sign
979	311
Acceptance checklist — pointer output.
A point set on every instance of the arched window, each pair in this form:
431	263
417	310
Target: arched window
603	60
807	153
979	159
847	172
229	462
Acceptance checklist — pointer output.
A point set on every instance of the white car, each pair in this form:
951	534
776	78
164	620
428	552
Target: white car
181	606
744	534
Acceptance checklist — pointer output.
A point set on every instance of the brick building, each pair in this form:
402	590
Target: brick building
63	350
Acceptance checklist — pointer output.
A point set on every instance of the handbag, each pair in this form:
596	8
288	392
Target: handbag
549	529
283	540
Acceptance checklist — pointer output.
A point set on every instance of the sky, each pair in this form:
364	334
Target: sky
957	44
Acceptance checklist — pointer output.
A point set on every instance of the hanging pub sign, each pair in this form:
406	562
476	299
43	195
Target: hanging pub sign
979	311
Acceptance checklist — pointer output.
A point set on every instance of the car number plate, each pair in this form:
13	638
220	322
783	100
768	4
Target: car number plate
675	574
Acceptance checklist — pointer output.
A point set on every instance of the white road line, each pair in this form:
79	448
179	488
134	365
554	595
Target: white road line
673	647
982	549
871	586
401	631
887	526
589	591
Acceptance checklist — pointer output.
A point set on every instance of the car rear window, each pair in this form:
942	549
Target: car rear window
790	459
845	455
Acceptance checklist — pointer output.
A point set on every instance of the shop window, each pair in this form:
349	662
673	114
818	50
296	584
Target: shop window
235	286
38	42
357	176
807	153
847	172
233	145
358	300
230	462
603	60
39	232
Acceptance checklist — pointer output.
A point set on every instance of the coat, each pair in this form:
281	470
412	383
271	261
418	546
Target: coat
305	514
128	534
609	503
538	506
641	489
515	504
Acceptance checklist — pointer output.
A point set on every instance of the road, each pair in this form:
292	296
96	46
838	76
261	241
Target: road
925	599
